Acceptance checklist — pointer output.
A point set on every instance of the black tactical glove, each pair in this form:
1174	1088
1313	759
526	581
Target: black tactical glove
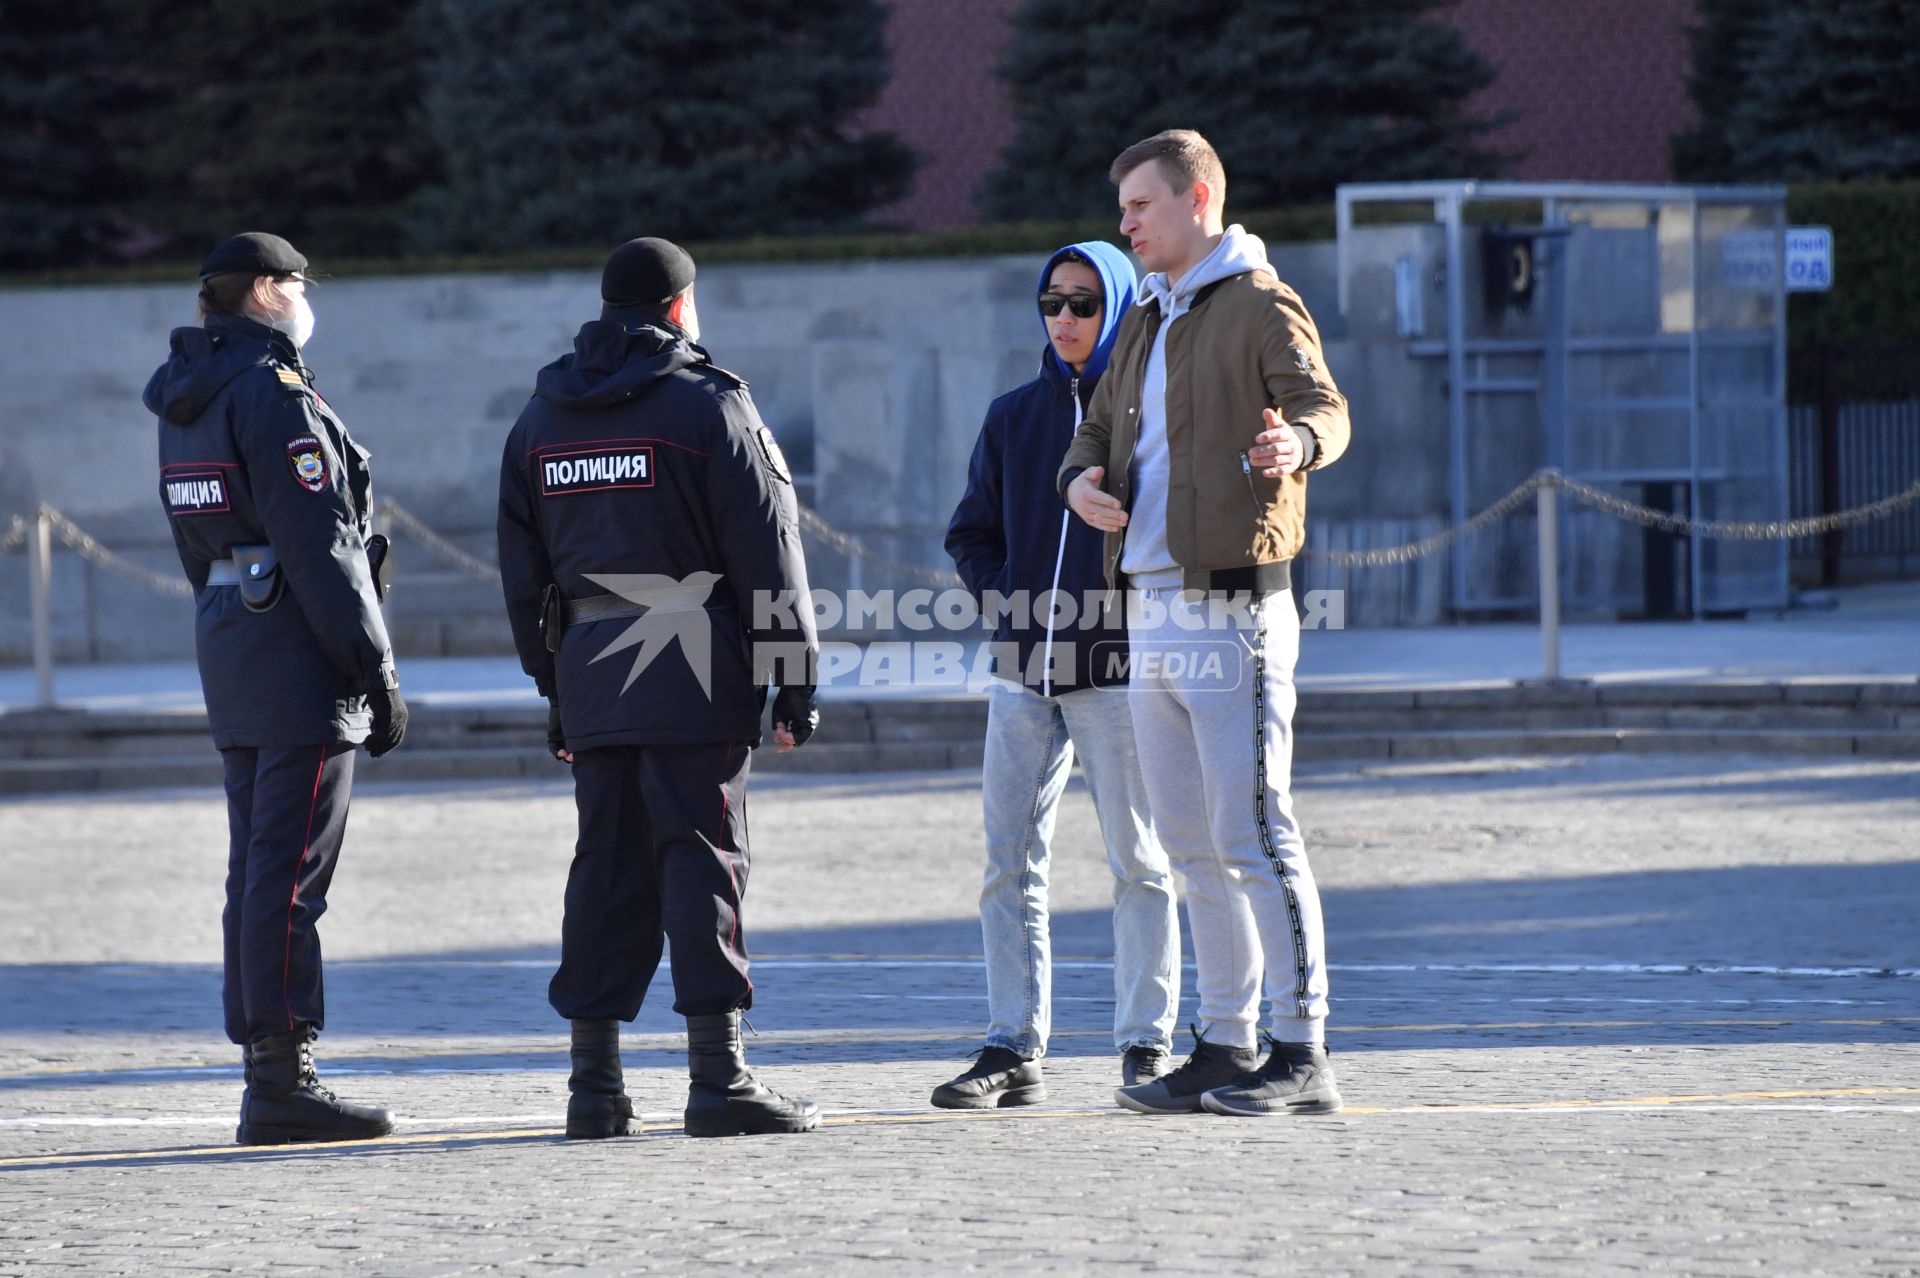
556	736
389	720
794	710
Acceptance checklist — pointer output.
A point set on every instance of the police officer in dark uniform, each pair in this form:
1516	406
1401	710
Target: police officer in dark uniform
650	553
269	498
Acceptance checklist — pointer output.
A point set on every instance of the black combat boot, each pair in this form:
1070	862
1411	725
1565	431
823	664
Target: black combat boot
598	1107
285	1102
1000	1079
724	1099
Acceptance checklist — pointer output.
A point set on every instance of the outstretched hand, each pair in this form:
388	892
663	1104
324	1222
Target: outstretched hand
1276	450
1097	508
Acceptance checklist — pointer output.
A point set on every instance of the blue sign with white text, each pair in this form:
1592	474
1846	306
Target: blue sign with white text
1809	259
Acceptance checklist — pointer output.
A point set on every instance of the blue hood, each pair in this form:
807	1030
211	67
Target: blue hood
1117	280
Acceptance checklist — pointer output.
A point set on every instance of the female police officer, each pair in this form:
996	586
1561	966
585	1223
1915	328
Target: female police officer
268	497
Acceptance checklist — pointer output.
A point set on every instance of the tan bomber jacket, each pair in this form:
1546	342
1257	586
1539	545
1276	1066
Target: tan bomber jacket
1245	345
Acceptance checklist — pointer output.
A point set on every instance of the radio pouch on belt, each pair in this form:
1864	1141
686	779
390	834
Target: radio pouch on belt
553	616
261	582
380	563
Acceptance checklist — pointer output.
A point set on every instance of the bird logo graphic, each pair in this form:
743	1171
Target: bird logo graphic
675	610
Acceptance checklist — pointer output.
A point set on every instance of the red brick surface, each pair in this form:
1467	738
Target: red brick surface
1599	87
945	103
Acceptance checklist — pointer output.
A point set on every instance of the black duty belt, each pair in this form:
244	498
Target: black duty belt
602	608
558	615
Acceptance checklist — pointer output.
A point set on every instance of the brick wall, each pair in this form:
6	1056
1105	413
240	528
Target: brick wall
1599	86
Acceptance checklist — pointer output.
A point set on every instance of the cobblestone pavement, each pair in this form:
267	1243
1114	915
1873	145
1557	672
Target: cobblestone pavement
1614	1014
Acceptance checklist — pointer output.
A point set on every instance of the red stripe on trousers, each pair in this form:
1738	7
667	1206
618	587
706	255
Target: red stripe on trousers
739	902
286	964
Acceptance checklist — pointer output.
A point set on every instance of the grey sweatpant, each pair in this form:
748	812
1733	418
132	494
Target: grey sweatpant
1212	695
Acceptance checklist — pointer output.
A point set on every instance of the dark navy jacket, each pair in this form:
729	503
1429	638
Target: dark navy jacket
640	470
1007	533
250	454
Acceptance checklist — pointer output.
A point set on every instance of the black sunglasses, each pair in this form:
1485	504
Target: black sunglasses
1083	305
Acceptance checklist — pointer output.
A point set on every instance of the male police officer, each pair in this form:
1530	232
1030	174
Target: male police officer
269	497
649	550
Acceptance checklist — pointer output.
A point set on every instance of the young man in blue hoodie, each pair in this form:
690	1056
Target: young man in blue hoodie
1061	688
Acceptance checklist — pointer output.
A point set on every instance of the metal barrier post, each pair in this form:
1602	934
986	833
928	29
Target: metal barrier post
40	591
1548	499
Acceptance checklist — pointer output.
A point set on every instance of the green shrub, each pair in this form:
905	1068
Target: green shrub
1875	299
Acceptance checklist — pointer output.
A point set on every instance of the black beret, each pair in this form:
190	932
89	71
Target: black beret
645	271
256	253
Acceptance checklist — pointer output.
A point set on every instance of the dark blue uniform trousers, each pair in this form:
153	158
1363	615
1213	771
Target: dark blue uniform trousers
286	815
662	852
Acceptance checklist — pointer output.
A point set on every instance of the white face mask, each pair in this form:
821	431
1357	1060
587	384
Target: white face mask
297	323
690	320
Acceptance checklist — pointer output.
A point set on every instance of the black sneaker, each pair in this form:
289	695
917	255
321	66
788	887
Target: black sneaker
1142	1063
1211	1065
1000	1078
1296	1078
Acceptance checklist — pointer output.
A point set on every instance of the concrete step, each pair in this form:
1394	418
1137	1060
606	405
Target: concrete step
1483	743
45	751
21	777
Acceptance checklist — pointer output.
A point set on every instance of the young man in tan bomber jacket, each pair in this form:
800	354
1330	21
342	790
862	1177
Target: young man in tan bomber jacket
1200	529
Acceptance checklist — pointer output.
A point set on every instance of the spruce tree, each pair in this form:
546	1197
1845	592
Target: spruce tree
56	174
1722	45
1831	91
594	122
1296	95
252	117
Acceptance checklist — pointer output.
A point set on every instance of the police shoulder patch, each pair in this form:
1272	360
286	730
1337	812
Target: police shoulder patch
308	458
770	454
289	378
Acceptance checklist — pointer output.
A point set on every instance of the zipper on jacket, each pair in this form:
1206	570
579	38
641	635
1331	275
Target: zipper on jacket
1246	468
1059	558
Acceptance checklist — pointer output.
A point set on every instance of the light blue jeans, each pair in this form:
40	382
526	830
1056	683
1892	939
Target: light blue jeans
1031	740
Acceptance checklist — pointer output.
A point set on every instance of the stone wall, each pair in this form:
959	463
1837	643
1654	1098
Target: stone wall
873	374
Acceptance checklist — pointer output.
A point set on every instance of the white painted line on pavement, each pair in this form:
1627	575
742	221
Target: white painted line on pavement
1736	1102
227	1120
852	961
1629	969
920	1034
1605	1001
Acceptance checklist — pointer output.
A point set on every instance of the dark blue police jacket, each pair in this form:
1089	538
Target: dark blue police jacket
250	455
642	473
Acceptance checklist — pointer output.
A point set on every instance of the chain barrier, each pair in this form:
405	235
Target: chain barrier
1620	508
848	544
1732	529
84	544
90	548
810	522
472	565
1412	550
